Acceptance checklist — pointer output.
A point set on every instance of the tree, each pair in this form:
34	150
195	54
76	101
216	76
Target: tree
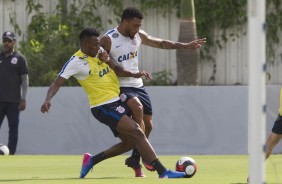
52	38
187	60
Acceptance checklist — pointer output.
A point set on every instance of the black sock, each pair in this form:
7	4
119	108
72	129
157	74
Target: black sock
135	154
98	158
159	166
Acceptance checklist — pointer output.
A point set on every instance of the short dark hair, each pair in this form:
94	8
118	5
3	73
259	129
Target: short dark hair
88	32
131	12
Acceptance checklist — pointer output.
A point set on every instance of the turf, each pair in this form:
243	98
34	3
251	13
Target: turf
62	169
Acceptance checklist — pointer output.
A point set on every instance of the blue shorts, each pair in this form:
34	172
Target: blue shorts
277	127
110	114
129	92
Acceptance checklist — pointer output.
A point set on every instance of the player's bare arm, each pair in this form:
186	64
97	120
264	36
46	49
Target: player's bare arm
168	44
124	73
53	89
106	43
121	72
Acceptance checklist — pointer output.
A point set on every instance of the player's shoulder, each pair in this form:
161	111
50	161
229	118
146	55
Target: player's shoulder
77	58
79	55
113	33
143	33
109	32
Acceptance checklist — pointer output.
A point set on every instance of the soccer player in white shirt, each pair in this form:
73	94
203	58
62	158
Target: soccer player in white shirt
122	44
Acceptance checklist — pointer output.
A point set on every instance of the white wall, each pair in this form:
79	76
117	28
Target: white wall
187	120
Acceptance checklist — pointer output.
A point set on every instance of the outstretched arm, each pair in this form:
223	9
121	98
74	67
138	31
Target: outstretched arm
168	44
53	89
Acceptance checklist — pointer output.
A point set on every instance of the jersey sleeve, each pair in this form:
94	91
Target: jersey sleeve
70	68
23	65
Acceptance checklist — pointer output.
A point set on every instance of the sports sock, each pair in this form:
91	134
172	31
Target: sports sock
98	158
159	166
135	154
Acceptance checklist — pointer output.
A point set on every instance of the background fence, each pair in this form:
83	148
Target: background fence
187	120
231	62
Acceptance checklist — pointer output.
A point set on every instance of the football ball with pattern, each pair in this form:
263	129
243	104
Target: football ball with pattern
187	165
4	150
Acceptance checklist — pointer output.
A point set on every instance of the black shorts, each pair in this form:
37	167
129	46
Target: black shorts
129	92
110	114
277	127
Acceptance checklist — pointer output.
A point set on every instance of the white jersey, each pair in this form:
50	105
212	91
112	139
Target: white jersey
124	51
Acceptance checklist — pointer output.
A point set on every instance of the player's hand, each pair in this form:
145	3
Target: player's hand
195	44
143	73
45	106
104	56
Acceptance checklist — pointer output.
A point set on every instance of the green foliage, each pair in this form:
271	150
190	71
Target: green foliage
53	38
274	28
162	78
222	15
166	6
230	17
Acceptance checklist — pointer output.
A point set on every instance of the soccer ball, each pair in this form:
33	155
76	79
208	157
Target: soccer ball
4	150
187	165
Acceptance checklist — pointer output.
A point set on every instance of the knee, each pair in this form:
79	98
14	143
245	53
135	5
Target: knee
137	108
135	105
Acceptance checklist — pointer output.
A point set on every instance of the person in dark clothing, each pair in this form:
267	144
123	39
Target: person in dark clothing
13	87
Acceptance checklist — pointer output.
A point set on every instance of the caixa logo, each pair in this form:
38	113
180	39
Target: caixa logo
104	72
127	56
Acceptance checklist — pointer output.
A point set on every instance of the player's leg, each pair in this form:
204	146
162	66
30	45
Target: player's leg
89	161
130	128
143	97
274	136
272	140
147	109
126	145
147	117
133	161
136	108
13	114
109	114
129	97
148	124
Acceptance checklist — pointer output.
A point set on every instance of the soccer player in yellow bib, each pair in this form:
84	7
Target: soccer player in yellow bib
102	87
276	134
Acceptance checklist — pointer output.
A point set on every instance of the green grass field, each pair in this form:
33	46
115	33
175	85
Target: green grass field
57	169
